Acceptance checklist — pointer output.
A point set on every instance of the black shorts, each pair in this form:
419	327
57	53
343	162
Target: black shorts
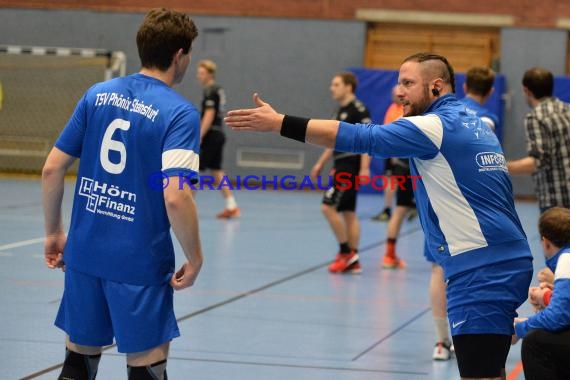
343	199
405	194
481	355
211	150
405	191
388	167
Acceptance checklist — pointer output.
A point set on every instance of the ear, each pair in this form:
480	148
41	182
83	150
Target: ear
465	88
548	246
178	55
437	87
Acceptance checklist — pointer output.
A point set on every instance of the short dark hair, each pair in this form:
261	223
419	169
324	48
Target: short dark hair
539	81
479	80
554	225
447	75
162	33
348	79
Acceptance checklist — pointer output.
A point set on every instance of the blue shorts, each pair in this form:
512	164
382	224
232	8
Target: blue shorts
427	254
94	310
485	300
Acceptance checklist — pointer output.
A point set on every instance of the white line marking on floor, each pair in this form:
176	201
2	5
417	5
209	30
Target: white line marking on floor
22	243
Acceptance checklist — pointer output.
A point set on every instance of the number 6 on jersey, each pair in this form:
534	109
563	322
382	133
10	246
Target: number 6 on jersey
108	144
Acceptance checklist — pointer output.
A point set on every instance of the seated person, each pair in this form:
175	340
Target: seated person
546	335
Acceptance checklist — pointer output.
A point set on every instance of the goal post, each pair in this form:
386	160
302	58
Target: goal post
39	88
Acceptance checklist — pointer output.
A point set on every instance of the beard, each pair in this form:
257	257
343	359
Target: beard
419	107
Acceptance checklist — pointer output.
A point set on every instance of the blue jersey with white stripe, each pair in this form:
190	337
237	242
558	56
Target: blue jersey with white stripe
125	132
556	316
464	196
473	107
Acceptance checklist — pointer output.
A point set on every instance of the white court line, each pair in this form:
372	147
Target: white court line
22	243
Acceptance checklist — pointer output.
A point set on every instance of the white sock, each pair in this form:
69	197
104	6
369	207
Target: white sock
442	329
231	203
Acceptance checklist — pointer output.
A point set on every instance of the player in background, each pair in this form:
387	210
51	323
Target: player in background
546	335
467	211
394	112
339	206
478	87
212	134
137	141
405	203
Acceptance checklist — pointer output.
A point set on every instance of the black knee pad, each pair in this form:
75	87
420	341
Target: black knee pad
79	367
155	371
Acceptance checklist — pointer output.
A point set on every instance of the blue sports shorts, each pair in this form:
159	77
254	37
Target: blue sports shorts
93	311
485	300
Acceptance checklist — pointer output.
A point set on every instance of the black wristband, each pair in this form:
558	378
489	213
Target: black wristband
294	127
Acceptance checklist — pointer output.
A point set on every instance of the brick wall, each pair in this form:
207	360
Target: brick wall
530	13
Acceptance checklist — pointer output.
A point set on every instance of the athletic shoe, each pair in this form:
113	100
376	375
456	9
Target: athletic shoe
354	268
442	351
393	263
343	262
229	214
412	214
384	216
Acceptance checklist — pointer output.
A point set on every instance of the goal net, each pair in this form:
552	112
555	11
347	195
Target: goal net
39	88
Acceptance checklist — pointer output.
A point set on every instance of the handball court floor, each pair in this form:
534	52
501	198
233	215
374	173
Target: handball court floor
264	305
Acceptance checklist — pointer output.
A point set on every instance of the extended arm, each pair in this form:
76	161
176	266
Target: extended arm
522	166
405	140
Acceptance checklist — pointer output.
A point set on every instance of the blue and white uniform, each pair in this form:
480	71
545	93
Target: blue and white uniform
129	133
476	109
466	207
125	132
556	316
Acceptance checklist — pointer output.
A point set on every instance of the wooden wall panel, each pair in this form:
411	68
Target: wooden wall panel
387	45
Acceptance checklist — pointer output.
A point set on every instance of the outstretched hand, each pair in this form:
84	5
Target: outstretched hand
262	118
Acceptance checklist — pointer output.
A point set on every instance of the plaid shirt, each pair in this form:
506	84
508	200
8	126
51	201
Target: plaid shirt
548	141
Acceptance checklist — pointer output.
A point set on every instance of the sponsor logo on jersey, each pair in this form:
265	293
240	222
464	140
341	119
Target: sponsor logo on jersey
490	161
108	200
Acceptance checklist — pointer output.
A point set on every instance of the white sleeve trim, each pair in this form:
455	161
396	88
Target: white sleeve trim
563	267
430	125
180	159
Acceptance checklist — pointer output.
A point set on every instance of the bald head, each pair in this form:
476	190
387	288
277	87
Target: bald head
434	66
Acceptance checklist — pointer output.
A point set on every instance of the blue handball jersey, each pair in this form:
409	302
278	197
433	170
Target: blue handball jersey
126	132
464	196
556	316
488	117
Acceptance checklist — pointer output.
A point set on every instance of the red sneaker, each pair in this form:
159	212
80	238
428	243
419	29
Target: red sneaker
354	268
393	263
229	214
343	261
